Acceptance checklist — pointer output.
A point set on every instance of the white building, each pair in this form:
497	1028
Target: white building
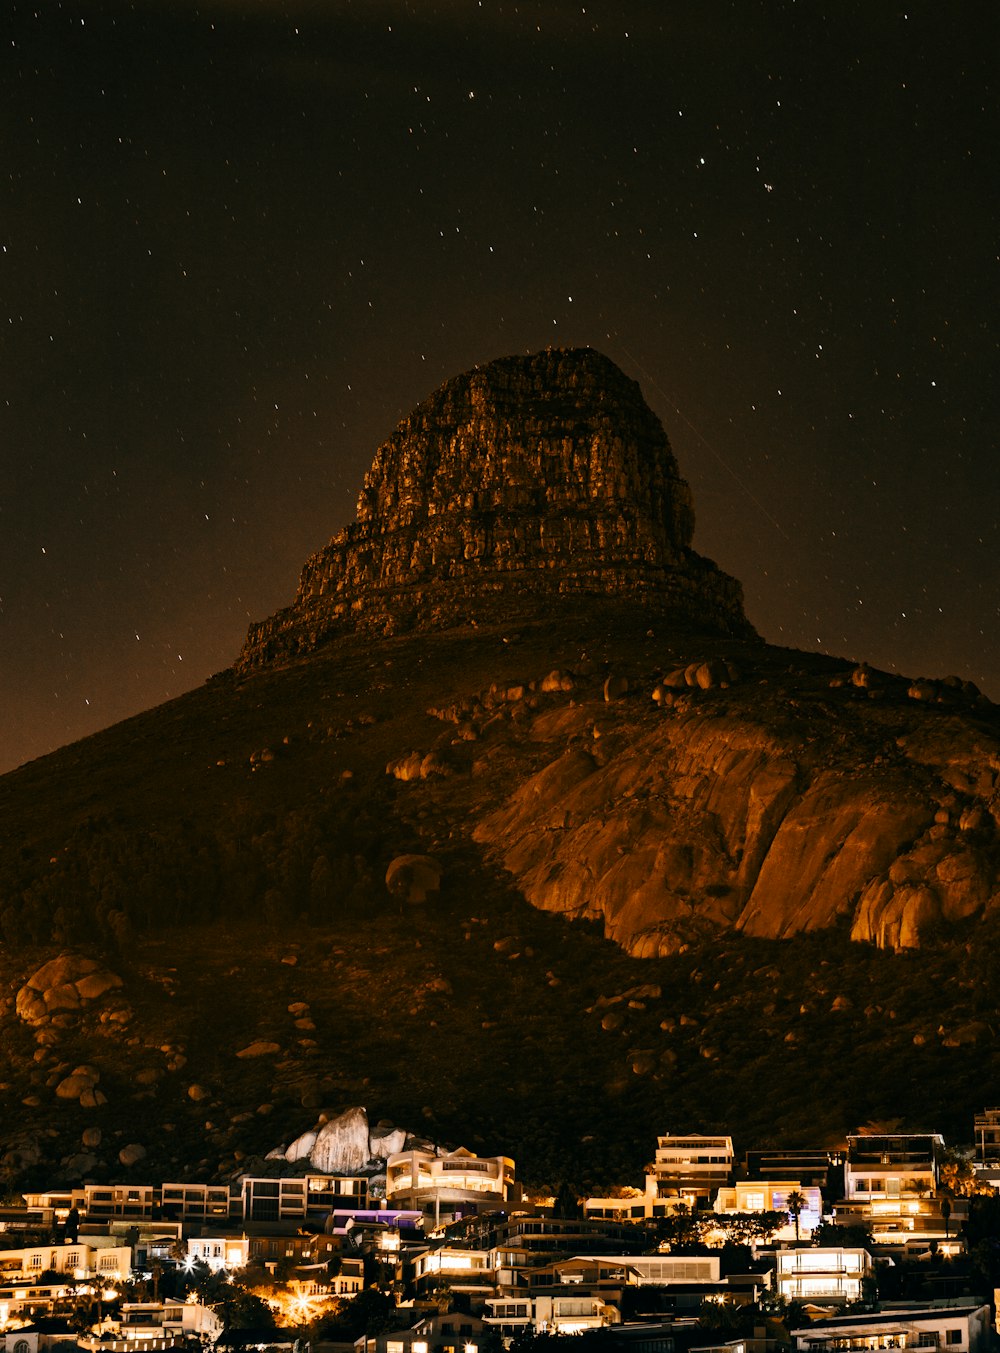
688	1169
549	1314
834	1274
149	1326
462	1270
99	1257
962	1327
443	1184
767	1195
638	1269
218	1252
892	1165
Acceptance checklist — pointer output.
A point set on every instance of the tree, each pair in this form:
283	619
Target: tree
956	1172
371	1312
567	1205
828	1233
795	1202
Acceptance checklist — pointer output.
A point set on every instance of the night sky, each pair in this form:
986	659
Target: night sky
241	240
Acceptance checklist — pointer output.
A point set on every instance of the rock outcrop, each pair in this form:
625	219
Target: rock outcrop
718	811
345	1144
520	482
64	986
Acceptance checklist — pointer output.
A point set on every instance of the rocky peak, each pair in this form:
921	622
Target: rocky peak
521	481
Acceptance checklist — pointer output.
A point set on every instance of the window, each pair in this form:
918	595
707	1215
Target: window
953	1336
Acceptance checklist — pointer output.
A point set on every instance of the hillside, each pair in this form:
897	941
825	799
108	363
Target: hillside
688	880
472	1016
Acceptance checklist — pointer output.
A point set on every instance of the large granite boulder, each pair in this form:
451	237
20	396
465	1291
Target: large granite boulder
67	983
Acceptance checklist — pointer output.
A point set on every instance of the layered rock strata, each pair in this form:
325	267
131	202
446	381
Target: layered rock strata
520	482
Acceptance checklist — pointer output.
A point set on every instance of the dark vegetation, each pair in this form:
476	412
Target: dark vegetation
199	848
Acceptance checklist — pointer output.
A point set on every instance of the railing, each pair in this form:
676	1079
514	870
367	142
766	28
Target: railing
874	1343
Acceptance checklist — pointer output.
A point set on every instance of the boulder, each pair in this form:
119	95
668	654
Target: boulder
341	1145
406	767
384	1141
413	878
69	982
301	1147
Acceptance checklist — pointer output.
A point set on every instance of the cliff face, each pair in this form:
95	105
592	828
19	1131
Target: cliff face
773	807
525	480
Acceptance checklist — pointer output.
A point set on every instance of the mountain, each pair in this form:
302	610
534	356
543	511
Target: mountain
529	481
685	880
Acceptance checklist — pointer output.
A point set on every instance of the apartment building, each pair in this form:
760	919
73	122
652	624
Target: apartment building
689	1170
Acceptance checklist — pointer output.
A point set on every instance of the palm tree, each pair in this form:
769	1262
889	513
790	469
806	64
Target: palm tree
796	1204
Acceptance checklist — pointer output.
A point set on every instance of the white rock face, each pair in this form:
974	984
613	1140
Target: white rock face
345	1144
383	1144
302	1147
341	1145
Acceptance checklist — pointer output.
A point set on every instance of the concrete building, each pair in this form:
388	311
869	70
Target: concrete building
689	1170
829	1275
765	1195
444	1186
955	1327
892	1165
96	1257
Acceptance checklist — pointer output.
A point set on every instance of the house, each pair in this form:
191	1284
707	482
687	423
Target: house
766	1195
275	1247
689	1170
196	1202
639	1269
100	1258
986	1126
45	1333
448	1185
218	1252
904	1226
958	1327
829	1274
550	1314
459	1269
627	1205
819	1168
892	1165
98	1202
145	1326
452	1333
27	1300
523	1238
